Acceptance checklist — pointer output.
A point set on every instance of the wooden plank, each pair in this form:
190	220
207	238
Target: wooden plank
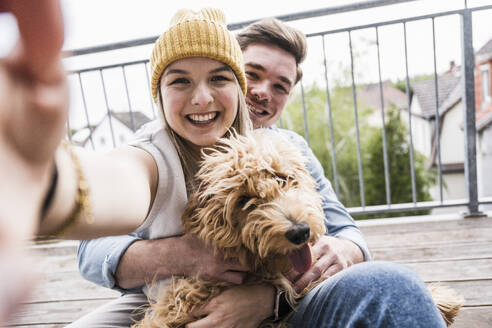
405	239
57	263
54	313
428	223
474	317
453	270
475	292
43	325
446	251
60	286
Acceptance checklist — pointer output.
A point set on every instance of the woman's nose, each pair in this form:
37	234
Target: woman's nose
202	95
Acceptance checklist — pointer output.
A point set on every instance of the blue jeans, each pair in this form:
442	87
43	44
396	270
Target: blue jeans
369	294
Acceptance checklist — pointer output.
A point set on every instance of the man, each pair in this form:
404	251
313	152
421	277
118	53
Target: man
272	53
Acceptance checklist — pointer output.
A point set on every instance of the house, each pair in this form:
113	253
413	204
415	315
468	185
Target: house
424	112
369	95
451	134
116	128
483	116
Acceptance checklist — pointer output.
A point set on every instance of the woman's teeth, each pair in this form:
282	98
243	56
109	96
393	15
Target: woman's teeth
202	117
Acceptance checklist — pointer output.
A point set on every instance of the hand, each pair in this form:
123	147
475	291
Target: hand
33	111
333	255
244	306
200	260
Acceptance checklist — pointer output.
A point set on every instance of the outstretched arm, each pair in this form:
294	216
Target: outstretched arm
33	110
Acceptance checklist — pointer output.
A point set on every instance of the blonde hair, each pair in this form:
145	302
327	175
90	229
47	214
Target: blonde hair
189	156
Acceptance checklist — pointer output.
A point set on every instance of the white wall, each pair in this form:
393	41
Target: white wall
452	142
421	129
484	165
102	135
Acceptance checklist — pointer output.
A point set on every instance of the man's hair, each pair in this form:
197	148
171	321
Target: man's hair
272	31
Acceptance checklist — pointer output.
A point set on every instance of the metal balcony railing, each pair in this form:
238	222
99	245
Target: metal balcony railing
471	202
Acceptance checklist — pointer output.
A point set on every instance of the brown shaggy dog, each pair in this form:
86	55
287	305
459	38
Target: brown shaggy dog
256	202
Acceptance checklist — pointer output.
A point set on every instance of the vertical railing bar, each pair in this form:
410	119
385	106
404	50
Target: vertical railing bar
410	132
354	97
385	151
280	123
107	107
86	111
150	92
437	132
304	114
132	122
69	131
468	96
330	121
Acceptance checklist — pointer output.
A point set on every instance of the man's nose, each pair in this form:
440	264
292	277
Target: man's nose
260	91
202	95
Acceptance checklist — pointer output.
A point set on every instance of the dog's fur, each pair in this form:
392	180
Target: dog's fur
252	191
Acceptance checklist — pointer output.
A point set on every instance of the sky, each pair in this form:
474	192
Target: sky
97	22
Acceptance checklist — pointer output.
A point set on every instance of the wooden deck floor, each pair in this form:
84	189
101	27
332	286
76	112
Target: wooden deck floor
451	250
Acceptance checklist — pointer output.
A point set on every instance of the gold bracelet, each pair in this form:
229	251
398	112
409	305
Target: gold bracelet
82	200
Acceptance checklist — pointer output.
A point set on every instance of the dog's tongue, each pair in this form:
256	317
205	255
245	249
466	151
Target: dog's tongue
301	259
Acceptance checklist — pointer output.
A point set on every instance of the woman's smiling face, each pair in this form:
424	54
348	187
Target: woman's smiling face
200	99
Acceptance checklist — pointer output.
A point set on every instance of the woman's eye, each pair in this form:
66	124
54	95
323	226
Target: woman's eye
220	78
180	80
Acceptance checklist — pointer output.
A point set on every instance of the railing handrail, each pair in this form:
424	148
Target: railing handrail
472	201
236	26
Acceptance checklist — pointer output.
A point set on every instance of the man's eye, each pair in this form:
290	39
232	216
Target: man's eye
252	75
281	88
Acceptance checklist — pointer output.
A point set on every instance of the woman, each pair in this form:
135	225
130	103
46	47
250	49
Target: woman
198	83
199	88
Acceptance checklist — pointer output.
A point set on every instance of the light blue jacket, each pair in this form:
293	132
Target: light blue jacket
98	259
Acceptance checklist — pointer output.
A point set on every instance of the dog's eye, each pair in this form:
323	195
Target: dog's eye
246	201
243	200
282	180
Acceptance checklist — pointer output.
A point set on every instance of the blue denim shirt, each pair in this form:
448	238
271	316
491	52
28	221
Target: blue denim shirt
98	259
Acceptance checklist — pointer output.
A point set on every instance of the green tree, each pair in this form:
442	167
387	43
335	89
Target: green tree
342	109
344	134
399	169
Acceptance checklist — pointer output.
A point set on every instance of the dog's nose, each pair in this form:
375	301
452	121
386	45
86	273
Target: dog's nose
298	234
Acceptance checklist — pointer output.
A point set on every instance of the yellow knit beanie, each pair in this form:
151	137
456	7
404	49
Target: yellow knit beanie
196	34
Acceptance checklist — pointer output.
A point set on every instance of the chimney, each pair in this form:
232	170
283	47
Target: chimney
452	66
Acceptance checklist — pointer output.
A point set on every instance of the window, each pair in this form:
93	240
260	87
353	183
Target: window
485	71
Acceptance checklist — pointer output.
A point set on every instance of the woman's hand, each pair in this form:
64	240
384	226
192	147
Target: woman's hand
33	112
244	306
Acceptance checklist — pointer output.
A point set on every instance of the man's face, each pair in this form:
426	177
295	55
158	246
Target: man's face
271	74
